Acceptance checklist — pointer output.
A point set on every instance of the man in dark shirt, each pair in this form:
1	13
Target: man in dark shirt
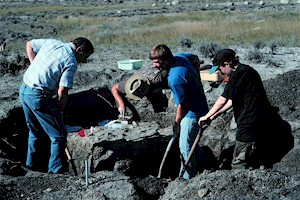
251	107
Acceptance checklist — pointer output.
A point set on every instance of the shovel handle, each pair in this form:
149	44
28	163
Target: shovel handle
71	160
191	151
68	153
165	156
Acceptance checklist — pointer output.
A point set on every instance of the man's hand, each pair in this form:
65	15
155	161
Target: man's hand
204	121
121	111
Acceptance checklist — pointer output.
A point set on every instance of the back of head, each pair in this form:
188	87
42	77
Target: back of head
224	55
160	51
84	44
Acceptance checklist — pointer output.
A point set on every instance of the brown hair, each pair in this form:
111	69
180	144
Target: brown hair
160	51
85	44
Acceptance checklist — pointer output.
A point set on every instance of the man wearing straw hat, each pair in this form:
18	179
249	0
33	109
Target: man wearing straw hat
146	82
136	87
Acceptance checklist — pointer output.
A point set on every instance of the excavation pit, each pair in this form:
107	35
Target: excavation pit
136	151
130	152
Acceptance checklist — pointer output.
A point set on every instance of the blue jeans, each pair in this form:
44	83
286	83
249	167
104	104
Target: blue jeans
43	117
189	129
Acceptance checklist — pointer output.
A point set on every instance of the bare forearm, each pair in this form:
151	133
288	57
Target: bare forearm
62	98
117	96
181	111
179	114
30	53
223	109
217	107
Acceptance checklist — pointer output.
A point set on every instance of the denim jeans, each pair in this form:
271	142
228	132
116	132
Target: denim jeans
43	117
189	129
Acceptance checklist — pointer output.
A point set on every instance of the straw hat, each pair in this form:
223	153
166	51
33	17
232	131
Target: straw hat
137	86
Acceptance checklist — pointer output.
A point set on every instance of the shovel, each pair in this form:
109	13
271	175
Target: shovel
171	142
204	125
71	160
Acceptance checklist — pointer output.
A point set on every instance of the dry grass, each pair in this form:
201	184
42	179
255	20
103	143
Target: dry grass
225	28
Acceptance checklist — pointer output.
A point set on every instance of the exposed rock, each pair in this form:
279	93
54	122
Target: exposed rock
175	2
284	1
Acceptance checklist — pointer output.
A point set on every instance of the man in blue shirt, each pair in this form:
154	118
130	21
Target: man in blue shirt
44	93
185	84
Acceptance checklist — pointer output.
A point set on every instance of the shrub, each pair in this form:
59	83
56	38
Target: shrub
258	57
208	48
276	42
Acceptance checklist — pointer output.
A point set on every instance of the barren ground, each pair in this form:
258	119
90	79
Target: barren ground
124	162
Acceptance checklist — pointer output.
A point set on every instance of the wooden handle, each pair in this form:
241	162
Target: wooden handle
68	153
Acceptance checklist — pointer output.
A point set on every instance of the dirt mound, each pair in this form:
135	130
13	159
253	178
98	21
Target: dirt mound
283	92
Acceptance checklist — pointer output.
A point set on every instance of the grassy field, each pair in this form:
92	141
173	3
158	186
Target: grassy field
221	27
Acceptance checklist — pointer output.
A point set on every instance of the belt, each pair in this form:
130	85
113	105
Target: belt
42	90
37	88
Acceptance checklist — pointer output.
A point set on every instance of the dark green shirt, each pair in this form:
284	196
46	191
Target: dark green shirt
249	100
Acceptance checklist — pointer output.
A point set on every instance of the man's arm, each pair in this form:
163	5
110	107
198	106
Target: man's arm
221	105
30	53
180	113
223	109
160	80
62	97
118	98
